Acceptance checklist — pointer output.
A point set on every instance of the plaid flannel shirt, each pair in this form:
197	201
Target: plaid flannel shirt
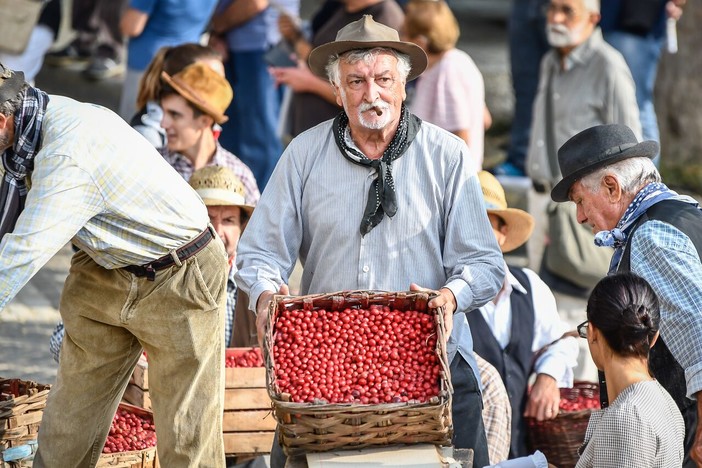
223	158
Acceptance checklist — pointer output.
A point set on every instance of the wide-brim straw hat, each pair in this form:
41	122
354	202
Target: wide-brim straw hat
204	88
219	186
594	148
520	224
365	33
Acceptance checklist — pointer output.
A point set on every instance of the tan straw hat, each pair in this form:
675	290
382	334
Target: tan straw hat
365	33
219	186
204	88
520	224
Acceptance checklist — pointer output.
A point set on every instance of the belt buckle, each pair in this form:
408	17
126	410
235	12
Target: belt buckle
149	272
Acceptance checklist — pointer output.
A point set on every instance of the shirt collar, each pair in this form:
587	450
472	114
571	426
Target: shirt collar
219	158
509	285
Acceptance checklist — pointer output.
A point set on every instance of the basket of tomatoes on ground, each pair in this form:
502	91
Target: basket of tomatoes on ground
560	438
131	441
357	369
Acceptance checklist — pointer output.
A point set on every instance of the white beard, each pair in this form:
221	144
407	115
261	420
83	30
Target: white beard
559	36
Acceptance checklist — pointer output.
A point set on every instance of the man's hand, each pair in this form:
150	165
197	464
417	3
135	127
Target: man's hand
696	451
219	45
296	78
544	398
444	299
288	28
674	8
262	304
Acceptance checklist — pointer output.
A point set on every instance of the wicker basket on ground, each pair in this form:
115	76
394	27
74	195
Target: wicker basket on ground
321	426
560	438
22	405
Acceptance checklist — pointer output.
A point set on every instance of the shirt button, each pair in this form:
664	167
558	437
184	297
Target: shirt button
366	269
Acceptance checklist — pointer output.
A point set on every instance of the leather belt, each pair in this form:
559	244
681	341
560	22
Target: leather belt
188	250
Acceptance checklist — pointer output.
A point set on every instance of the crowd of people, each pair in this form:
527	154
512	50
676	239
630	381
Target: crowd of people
190	210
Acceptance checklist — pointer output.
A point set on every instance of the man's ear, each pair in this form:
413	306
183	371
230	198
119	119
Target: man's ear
611	185
207	121
4	120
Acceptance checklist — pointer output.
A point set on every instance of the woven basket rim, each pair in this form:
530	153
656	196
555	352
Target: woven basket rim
437	410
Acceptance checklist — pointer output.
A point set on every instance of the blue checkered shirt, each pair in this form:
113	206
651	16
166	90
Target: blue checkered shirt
223	158
231	307
668	260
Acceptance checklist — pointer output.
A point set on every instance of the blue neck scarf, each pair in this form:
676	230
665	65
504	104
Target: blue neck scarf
646	198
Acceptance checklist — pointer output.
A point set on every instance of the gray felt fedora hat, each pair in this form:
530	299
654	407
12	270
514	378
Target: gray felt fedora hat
594	148
365	33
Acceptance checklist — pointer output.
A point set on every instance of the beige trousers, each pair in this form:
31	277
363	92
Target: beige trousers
109	316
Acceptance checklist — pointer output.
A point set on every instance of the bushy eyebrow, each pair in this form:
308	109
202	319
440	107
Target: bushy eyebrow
356	75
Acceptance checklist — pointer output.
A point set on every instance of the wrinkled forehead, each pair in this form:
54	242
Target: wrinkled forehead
372	58
225	211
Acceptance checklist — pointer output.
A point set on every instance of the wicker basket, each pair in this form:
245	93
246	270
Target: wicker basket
21	408
146	458
308	427
560	438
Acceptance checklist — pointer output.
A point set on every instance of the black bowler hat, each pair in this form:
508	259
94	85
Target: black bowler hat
594	148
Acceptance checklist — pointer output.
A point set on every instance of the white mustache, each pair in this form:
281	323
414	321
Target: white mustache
559	29
377	104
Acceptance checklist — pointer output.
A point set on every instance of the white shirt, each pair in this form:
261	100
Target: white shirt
559	359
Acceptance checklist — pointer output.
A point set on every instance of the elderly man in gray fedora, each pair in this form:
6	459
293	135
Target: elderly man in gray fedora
377	199
655	233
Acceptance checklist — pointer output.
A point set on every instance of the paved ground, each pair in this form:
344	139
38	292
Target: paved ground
27	323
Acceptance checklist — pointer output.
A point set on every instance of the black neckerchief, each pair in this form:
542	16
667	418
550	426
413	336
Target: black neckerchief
18	160
381	195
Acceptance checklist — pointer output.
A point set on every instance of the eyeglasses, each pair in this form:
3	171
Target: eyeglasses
582	329
551	10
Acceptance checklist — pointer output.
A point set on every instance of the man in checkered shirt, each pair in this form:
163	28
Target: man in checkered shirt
150	273
223	194
610	177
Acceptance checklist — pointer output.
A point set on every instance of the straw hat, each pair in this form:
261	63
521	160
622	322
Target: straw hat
219	186
520	224
204	88
365	33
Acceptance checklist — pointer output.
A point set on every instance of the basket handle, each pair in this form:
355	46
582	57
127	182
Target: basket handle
443	357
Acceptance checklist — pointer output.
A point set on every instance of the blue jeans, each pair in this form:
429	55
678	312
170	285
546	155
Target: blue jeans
642	55
527	45
251	131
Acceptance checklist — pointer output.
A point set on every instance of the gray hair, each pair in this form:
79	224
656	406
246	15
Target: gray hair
11	106
632	174
356	55
592	6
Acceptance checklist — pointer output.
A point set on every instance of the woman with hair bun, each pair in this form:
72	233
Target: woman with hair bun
642	427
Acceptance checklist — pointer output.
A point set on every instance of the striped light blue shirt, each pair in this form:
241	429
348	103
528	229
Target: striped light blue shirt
312	208
98	183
